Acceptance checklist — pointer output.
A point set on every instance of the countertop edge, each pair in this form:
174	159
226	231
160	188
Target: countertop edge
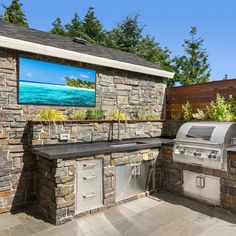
106	150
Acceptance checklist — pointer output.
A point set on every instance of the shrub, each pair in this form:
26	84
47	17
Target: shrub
221	109
115	114
200	115
78	115
187	110
152	116
50	115
141	112
95	114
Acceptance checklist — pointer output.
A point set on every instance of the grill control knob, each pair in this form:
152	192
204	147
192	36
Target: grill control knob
195	154
214	156
210	155
182	151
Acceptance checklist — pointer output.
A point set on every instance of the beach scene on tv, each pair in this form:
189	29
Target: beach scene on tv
44	83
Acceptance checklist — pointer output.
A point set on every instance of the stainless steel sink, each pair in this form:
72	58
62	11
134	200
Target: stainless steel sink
126	144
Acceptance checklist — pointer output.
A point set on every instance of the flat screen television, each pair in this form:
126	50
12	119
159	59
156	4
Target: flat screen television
44	83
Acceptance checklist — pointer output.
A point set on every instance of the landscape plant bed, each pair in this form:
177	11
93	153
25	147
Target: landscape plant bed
93	121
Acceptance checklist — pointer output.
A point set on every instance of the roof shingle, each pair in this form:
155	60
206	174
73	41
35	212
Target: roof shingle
66	43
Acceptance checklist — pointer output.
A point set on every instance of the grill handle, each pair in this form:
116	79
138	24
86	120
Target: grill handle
197	142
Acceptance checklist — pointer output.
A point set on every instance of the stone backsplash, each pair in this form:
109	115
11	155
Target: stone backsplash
17	165
45	133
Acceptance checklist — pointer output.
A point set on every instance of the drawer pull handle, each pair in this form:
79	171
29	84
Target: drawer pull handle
89	195
89	177
90	164
198	181
203	182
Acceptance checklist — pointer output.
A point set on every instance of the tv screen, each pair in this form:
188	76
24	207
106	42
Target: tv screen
44	83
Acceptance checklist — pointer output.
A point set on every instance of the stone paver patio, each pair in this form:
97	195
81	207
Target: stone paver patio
164	214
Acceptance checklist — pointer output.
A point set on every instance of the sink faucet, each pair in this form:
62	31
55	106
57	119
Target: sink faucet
119	123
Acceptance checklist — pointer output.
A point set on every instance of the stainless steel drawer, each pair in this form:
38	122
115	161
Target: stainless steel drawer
89	165
89	179
88	185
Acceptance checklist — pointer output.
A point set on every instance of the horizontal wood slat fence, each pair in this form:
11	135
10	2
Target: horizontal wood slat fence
199	95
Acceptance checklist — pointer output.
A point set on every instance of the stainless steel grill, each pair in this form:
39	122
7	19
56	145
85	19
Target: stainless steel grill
204	143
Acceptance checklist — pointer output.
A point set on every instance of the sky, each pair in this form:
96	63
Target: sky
168	21
44	72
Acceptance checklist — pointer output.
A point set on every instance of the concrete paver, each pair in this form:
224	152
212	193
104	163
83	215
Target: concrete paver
163	214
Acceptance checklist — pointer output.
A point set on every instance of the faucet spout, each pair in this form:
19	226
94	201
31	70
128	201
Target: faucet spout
119	122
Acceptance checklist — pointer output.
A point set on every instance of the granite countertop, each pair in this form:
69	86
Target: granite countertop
69	150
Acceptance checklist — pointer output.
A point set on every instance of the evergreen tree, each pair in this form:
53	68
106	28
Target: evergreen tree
57	27
126	35
225	77
192	68
14	14
92	26
75	29
150	50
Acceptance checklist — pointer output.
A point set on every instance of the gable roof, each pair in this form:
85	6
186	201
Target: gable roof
23	38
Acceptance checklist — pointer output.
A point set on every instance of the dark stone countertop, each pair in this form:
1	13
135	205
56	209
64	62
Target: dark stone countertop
70	150
231	149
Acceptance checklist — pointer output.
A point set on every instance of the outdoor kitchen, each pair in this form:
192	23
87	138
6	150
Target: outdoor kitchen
112	140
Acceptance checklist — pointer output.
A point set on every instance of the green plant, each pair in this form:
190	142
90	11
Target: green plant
141	112
50	115
78	115
200	115
115	115
152	116
222	109
231	104
187	110
176	116
95	114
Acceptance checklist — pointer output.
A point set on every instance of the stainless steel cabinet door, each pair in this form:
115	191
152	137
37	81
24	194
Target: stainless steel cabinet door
201	186
211	190
141	178
131	179
191	184
125	181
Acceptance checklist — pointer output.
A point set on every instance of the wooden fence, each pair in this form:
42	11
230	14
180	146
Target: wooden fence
199	96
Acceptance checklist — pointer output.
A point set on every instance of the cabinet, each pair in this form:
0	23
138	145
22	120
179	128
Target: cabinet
131	179
88	185
201	186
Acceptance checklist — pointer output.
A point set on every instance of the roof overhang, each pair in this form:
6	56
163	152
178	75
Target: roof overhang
26	46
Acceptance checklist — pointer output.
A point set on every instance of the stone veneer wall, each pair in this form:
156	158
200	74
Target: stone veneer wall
17	165
172	175
171	127
56	182
45	133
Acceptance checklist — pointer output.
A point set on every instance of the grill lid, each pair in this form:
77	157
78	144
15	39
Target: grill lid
207	131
